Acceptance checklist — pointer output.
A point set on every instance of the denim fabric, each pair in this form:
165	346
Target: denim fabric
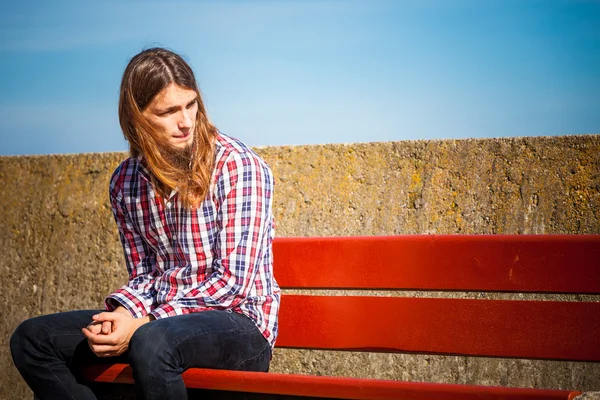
49	351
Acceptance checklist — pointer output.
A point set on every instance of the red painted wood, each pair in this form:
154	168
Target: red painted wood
520	263
521	329
498	328
331	387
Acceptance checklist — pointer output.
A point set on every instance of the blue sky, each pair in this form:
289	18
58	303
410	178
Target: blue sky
306	72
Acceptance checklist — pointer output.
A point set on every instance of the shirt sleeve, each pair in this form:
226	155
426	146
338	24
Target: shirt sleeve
243	195
139	294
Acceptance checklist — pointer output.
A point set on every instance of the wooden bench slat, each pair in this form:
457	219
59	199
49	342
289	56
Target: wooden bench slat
517	263
331	387
496	328
473	327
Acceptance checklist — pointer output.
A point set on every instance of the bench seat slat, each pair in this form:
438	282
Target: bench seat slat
331	387
496	328
512	263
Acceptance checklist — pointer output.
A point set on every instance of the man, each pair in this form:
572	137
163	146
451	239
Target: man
193	210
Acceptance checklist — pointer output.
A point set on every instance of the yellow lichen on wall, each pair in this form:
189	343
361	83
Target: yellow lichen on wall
61	250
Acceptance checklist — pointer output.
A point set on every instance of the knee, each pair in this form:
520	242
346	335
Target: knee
23	334
24	339
148	347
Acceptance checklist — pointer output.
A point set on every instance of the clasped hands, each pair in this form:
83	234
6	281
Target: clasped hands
109	333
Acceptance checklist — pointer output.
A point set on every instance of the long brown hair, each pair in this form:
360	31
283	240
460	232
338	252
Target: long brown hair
146	75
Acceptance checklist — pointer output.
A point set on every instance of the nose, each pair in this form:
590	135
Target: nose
186	121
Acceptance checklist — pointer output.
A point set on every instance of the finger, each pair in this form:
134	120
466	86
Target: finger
115	352
103	350
108	351
106	327
99	339
94	327
88	333
110	339
107	316
92	333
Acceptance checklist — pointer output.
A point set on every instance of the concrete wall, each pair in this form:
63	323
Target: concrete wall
61	251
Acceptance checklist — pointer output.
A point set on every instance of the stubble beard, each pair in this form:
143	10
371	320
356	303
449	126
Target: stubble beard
180	158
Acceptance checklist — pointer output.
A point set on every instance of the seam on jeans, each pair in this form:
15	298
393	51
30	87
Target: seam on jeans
171	348
183	339
253	357
234	329
192	335
61	333
59	381
56	334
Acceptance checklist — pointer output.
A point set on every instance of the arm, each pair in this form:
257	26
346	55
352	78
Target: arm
137	297
243	195
109	333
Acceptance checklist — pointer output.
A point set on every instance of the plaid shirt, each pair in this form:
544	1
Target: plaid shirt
214	257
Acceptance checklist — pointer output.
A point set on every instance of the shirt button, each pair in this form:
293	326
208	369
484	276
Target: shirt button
169	204
174	237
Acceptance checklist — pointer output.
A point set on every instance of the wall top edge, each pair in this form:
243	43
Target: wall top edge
591	136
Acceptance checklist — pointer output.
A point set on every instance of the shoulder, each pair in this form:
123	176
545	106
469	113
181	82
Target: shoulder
123	175
237	164
232	152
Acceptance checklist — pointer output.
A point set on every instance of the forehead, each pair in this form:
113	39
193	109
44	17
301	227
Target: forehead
173	95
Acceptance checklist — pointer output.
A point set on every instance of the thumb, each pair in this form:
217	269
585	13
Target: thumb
107	316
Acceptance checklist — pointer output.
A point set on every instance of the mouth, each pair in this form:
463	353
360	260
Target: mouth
183	135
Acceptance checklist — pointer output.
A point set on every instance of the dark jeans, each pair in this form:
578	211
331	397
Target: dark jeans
49	351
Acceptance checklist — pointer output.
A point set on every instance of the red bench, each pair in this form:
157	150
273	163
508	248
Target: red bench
553	330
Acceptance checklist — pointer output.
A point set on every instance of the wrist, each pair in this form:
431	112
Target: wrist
144	320
122	310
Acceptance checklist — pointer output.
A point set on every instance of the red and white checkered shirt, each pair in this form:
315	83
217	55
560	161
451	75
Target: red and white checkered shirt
214	257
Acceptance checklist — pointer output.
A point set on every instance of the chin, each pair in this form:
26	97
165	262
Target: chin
183	145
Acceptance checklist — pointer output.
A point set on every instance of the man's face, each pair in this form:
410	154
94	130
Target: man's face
172	113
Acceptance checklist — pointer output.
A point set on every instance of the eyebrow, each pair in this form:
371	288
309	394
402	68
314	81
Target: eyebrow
161	111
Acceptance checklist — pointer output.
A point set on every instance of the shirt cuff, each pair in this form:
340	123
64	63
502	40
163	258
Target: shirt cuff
172	309
137	304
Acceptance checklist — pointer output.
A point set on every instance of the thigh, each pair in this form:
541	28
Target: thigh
57	335
60	330
209	339
68	321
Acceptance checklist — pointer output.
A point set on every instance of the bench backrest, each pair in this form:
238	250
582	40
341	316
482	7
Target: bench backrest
561	330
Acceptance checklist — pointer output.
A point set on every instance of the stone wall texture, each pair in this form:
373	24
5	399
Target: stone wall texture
60	248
